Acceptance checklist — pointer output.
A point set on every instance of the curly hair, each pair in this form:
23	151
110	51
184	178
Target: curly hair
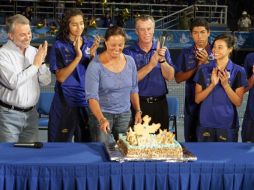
64	25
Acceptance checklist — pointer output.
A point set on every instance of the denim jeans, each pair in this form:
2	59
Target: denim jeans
119	123
16	126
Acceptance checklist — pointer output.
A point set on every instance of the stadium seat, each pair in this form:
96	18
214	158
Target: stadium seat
173	110
43	108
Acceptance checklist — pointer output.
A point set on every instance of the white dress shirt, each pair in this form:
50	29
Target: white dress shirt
20	80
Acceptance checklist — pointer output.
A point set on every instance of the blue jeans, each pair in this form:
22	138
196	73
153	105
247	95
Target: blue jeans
119	123
16	126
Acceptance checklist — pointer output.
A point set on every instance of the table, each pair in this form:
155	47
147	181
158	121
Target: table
70	166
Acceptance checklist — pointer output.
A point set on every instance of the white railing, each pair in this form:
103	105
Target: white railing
213	13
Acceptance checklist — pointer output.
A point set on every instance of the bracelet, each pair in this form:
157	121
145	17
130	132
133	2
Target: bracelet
139	111
163	61
228	86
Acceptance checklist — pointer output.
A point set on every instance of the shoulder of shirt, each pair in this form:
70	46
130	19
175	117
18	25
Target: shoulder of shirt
187	49
238	67
59	42
129	58
131	48
206	66
250	56
94	63
87	41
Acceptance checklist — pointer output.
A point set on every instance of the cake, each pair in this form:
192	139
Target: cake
143	142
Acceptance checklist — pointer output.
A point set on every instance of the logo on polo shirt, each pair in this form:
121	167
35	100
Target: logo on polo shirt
222	138
206	134
87	51
228	73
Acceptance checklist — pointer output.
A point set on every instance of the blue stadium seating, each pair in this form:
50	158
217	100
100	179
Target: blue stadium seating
43	108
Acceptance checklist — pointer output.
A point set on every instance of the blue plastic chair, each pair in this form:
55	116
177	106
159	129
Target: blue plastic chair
43	108
173	111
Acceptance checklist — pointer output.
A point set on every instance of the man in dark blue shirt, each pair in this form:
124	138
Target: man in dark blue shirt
154	67
186	66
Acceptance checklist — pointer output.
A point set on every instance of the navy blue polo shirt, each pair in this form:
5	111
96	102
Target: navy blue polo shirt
248	64
217	111
153	84
187	61
73	88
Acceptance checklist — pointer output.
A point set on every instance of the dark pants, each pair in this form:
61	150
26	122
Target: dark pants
190	127
247	128
66	122
158	111
206	134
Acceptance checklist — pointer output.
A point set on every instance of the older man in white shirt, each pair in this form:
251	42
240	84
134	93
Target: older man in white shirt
21	73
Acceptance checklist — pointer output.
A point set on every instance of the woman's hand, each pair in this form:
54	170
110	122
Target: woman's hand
223	75
138	117
214	76
77	45
104	125
95	45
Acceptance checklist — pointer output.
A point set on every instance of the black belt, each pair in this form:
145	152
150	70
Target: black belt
152	99
15	108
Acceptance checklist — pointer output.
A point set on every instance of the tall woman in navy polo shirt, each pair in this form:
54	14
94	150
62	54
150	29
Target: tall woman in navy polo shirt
68	59
248	120
219	90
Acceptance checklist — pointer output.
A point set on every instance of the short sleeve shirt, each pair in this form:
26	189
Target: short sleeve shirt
217	111
153	84
112	90
73	88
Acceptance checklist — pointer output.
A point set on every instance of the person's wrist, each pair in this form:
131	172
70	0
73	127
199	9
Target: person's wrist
138	111
212	84
226	86
162	61
102	120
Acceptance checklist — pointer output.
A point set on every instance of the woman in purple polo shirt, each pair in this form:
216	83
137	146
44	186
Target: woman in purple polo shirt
111	84
219	89
69	57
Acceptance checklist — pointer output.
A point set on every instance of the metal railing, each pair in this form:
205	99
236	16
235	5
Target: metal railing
54	9
216	14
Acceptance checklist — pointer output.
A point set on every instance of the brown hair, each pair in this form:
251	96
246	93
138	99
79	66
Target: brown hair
64	27
199	22
114	30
